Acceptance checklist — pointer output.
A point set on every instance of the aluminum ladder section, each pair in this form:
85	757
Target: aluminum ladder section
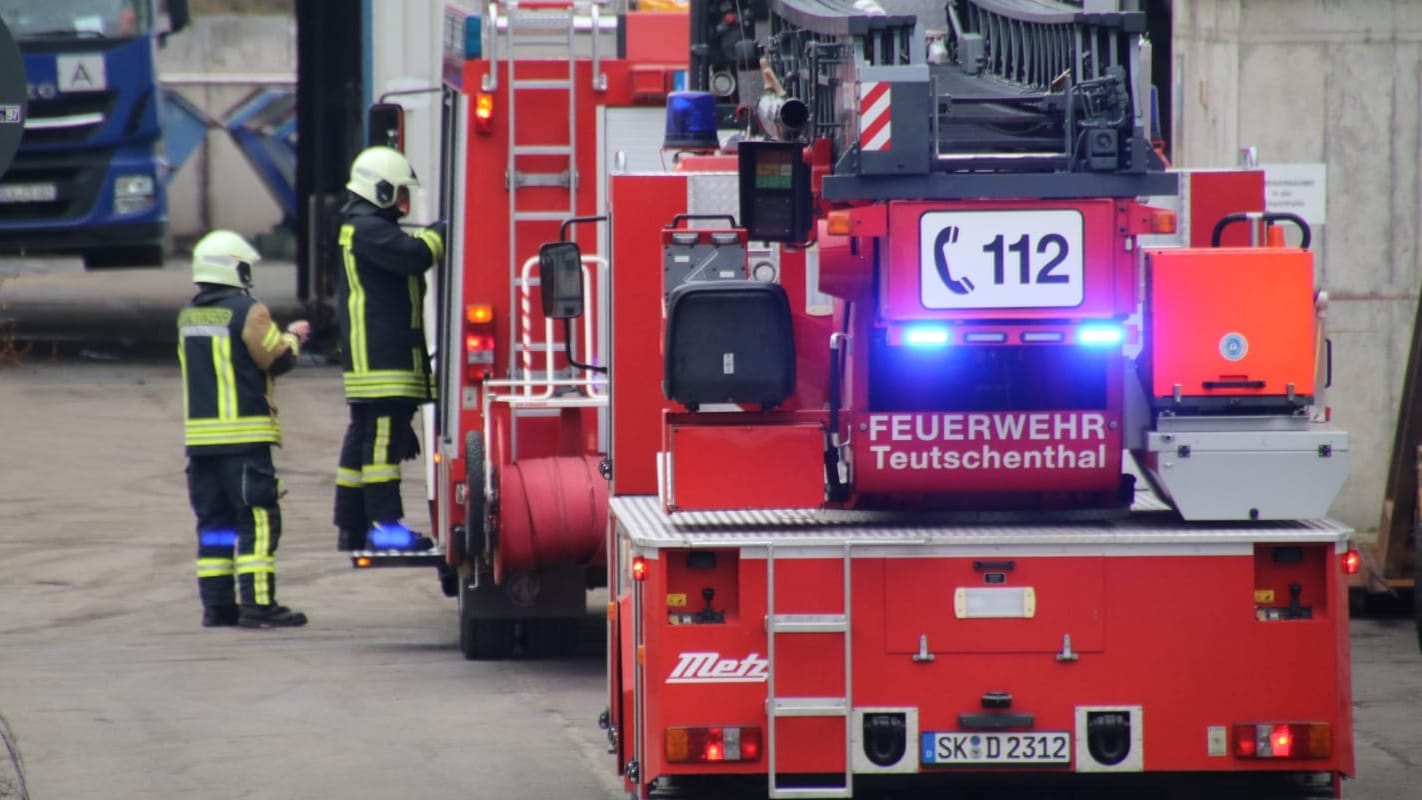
777	625
536	31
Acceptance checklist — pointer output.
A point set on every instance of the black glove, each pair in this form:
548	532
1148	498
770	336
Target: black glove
411	448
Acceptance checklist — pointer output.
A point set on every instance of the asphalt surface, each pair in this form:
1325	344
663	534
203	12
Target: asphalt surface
109	688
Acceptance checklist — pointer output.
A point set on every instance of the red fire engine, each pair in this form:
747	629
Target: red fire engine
541	100
939	435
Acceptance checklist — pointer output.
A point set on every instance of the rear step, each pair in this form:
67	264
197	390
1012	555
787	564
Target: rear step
366	559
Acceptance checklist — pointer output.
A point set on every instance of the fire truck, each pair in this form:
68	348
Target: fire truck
925	427
540	102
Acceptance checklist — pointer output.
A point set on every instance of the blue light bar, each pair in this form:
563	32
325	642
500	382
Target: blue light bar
1100	335
926	336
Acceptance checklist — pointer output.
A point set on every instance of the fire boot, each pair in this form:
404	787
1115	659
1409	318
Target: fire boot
395	536
347	539
219	616
270	616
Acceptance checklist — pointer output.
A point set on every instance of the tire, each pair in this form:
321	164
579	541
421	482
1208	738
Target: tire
474	501
134	256
551	637
482	639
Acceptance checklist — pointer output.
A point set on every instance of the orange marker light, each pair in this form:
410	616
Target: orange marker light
484	112
1163	220
478	314
839	223
362	561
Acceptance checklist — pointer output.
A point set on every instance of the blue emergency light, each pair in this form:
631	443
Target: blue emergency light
926	336
1100	335
691	122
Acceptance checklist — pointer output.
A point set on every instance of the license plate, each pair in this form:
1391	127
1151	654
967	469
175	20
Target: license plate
952	748
1001	259
28	192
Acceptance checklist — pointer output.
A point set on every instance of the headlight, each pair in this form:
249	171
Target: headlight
133	186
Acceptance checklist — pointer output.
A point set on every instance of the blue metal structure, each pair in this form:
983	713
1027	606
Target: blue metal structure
263	126
89	175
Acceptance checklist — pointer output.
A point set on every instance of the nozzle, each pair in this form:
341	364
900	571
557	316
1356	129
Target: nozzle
782	117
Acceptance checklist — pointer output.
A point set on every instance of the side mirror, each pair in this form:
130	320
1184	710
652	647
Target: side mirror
560	270
385	125
179	16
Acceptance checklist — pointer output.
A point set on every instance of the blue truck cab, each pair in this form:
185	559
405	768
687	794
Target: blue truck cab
89	175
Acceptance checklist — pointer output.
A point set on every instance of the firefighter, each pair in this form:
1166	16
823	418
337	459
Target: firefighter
230	351
384	357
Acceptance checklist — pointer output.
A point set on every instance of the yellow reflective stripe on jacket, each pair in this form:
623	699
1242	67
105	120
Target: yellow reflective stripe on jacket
387	383
226	377
243	430
416	307
349	478
434	242
355	303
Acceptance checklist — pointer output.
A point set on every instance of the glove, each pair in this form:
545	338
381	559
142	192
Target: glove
433	237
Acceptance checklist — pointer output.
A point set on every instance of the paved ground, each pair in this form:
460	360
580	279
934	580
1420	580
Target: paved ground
110	689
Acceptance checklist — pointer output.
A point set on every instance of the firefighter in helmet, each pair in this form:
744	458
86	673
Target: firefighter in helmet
384	357
230	351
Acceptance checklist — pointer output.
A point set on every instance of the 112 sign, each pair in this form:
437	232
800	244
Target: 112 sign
1001	259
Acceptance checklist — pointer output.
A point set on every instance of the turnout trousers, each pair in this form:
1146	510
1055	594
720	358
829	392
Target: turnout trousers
238	526
377	439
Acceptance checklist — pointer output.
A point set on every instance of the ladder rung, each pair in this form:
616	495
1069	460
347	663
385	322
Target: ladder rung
809	707
543	150
561	84
808	623
541	216
810	792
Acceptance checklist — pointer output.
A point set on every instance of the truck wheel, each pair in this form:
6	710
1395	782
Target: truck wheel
551	637
482	639
474	505
140	256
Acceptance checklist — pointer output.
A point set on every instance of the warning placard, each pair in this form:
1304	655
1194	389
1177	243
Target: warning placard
1297	189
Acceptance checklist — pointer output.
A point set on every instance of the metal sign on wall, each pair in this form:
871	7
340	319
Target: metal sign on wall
1298	189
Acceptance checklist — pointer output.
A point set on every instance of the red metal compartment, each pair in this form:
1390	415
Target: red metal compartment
744	466
1230	321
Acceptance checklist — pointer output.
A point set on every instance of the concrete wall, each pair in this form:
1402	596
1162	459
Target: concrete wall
215	63
1332	81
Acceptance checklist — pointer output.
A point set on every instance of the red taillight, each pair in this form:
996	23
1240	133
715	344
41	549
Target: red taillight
705	744
639	568
1281	741
479	342
1292	740
484	113
1352	562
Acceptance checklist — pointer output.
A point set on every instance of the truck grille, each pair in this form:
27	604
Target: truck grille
67	119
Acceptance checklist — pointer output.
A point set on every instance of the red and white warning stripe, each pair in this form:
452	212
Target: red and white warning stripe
875	128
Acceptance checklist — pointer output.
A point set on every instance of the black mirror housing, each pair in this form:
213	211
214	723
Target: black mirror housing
385	125
560	270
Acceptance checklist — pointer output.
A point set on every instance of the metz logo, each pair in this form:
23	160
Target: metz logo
711	668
